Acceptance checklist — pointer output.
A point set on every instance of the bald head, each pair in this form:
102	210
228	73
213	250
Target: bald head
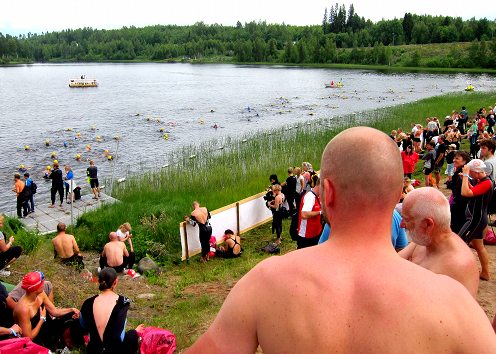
363	168
112	236
427	202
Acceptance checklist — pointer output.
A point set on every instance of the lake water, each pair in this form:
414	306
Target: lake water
185	100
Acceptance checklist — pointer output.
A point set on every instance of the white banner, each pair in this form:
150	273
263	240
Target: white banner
252	213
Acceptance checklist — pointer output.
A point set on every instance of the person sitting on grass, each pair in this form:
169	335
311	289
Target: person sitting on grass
30	313
232	246
66	247
104	317
115	255
8	253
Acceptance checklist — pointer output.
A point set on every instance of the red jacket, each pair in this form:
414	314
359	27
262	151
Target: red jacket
409	161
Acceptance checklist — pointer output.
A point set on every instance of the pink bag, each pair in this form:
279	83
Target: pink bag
213	246
157	341
21	345
490	238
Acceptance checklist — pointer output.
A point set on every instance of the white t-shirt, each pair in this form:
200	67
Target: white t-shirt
122	235
298	184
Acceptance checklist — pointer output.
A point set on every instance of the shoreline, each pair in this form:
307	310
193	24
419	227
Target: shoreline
380	68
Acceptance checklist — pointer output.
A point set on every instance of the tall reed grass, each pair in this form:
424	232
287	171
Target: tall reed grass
156	201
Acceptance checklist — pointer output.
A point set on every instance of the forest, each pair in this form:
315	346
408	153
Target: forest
342	37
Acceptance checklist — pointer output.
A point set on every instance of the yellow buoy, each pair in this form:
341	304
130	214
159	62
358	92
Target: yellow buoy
21	166
26	147
161	130
166	136
47	142
110	157
68	129
53	155
106	152
78	157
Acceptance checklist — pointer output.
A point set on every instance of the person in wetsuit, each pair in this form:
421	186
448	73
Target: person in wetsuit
201	216
479	195
57	185
104	317
232	248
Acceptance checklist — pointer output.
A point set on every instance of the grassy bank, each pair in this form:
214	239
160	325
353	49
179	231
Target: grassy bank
156	202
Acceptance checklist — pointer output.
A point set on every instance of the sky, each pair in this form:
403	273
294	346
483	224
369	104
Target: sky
35	16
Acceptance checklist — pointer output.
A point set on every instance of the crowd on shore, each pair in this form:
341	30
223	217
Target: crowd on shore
378	236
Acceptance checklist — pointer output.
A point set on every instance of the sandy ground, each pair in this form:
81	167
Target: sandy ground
487	289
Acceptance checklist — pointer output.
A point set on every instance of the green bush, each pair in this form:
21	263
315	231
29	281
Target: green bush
28	240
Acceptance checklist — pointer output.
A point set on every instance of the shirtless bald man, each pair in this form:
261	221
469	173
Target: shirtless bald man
426	218
66	247
115	255
352	294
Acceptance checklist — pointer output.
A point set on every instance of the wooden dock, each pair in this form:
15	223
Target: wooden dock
45	219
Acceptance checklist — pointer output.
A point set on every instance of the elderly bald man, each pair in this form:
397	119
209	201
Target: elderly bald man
352	294
426	218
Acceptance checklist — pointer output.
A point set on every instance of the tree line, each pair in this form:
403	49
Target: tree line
343	37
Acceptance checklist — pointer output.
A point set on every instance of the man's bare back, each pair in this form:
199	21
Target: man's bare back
115	251
200	214
352	294
65	245
339	305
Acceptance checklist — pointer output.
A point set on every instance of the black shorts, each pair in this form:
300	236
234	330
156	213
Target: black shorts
94	182
417	140
427	171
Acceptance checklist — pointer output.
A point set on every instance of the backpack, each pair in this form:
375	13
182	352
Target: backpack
491	207
313	178
33	187
157	341
271	248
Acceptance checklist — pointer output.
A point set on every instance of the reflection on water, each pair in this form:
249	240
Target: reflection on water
156	108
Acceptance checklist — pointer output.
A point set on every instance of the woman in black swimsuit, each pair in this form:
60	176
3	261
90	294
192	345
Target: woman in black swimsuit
104	317
232	247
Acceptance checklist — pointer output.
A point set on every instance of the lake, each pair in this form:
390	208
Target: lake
185	101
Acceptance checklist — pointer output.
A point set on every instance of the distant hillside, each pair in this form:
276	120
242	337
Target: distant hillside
343	37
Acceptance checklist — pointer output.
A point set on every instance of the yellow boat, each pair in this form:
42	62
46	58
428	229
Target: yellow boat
83	83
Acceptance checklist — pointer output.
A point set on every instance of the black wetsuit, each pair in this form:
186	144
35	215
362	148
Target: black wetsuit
459	203
476	215
229	252
115	340
57	185
205	234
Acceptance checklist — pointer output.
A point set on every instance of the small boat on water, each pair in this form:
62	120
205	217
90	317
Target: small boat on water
83	82
334	85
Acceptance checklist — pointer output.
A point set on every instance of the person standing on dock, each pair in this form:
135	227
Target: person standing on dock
92	173
21	201
57	185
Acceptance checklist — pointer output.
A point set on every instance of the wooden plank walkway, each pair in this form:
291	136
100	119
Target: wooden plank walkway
45	219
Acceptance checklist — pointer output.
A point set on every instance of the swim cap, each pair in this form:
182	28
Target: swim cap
33	281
